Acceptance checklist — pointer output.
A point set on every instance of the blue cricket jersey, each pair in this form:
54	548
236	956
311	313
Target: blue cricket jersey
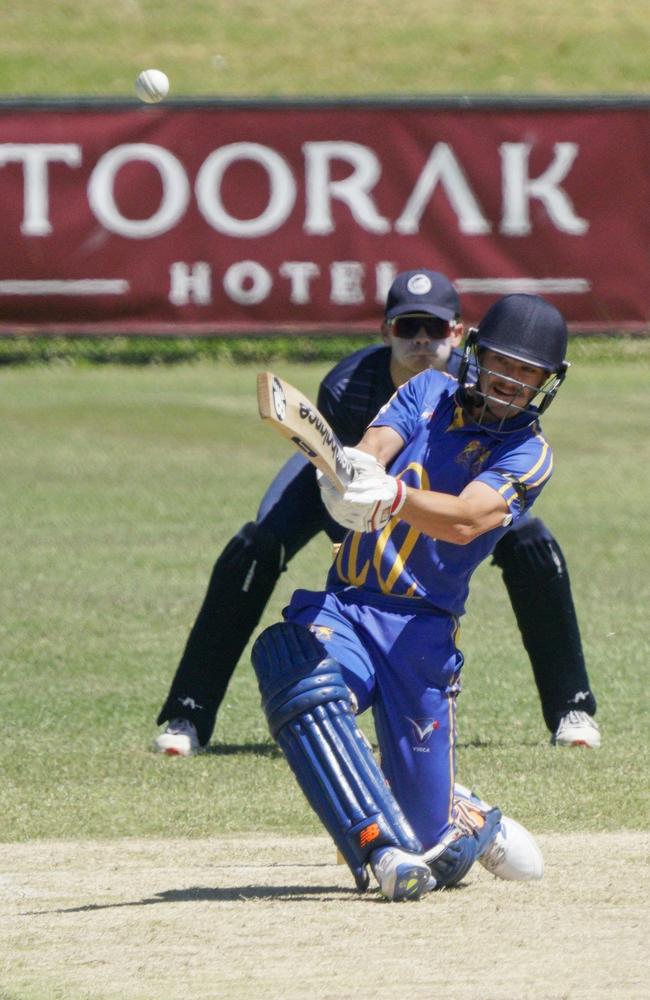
352	393
443	451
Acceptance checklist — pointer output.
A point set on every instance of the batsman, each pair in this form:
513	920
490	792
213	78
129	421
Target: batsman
440	475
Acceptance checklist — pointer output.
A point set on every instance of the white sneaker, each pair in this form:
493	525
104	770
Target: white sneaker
401	875
576	729
180	739
513	853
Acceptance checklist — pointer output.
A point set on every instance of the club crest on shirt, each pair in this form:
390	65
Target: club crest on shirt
473	457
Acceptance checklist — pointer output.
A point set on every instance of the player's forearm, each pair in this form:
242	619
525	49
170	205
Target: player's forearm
449	518
382	442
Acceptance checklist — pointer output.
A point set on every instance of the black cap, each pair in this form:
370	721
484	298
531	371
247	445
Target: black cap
422	291
525	327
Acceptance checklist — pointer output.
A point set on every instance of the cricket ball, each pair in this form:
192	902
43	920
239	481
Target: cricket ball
152	86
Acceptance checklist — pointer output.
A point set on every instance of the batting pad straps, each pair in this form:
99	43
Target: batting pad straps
308	709
469	837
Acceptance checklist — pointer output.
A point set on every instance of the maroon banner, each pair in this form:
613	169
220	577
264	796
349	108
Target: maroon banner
207	218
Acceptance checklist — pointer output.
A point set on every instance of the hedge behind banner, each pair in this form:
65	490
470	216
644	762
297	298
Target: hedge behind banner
257	217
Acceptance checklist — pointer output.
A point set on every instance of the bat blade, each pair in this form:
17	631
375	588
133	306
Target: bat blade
296	418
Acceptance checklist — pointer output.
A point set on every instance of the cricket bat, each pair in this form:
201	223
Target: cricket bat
294	416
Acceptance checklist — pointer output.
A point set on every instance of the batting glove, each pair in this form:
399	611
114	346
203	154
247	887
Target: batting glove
362	462
369	502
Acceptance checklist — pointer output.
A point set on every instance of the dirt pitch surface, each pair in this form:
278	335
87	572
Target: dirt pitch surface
253	917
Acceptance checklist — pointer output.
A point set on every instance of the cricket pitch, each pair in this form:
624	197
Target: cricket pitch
269	917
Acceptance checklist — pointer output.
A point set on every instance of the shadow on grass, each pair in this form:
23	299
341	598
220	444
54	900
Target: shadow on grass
242	893
202	894
479	744
271	750
231	749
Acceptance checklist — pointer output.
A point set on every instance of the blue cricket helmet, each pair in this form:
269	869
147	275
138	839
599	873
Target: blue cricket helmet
527	328
523	327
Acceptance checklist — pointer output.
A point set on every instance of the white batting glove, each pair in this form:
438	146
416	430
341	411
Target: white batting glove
369	502
362	462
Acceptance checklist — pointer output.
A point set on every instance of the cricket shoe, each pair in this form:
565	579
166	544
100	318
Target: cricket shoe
577	729
401	875
179	739
512	853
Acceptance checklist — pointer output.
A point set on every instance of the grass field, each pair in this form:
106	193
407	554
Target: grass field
122	872
124	876
119	489
250	47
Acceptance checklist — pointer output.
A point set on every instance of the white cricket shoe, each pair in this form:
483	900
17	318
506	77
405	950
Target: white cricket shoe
179	739
513	853
401	875
577	729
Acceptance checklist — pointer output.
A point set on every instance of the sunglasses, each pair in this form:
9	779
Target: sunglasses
407	327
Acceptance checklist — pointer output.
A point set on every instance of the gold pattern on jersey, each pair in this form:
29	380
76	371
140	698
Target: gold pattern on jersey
522	481
458	420
347	559
353	576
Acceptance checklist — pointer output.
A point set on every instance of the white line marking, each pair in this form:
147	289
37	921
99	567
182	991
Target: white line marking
74	286
532	286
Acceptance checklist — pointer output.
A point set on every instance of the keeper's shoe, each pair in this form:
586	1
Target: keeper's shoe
577	729
179	739
401	876
512	852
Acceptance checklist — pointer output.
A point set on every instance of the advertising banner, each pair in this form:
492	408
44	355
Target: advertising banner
198	217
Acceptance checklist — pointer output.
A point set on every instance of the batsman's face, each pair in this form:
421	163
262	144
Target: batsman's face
508	385
428	347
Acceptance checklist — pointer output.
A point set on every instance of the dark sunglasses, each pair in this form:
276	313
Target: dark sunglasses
407	327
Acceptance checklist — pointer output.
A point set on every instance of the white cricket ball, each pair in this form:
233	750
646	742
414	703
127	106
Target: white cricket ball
152	86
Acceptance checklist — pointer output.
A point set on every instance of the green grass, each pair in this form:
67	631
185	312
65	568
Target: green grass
119	487
301	47
328	349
